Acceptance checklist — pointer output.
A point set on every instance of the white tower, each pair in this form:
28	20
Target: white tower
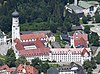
15	26
75	2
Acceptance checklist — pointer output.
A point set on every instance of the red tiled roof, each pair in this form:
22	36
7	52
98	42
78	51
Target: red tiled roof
29	69
38	43
82	51
38	51
32	36
11	69
85	51
5	67
84	36
80	39
35	52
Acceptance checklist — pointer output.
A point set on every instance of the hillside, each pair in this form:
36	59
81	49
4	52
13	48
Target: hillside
49	11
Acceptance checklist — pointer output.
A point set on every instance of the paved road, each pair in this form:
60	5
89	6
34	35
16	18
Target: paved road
95	24
4	48
98	50
96	29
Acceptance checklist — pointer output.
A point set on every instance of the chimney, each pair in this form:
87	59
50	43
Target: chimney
75	2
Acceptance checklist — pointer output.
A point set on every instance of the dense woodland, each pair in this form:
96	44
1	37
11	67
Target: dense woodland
37	15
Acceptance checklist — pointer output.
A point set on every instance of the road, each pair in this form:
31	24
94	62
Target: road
98	50
4	48
96	29
95	24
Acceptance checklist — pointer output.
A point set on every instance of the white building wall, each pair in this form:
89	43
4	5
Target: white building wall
72	42
63	56
15	28
43	58
71	72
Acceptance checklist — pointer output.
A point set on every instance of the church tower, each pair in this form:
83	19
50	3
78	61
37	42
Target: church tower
15	26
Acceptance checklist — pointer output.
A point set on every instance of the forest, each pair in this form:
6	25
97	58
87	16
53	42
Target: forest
37	15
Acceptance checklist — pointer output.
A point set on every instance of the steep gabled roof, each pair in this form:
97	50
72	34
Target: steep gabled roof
29	69
5	67
32	36
85	51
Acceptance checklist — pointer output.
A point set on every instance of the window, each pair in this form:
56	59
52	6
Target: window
91	8
15	28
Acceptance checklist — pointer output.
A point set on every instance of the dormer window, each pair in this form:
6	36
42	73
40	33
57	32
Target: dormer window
76	36
41	38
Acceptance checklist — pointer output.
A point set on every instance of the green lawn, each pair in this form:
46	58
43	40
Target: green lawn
61	42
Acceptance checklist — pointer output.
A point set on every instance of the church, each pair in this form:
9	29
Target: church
37	44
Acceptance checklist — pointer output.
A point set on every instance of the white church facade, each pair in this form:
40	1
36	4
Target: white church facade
34	45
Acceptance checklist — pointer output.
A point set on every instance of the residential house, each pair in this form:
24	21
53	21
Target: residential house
89	7
6	70
21	69
26	69
65	37
75	9
73	68
79	40
83	7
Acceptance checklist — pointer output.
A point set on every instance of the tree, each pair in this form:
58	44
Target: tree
89	66
97	58
94	39
87	29
97	18
53	26
20	60
93	63
45	66
84	19
67	24
10	58
1	62
38	64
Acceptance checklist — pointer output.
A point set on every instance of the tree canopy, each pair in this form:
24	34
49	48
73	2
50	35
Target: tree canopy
94	39
10	58
41	66
39	14
20	60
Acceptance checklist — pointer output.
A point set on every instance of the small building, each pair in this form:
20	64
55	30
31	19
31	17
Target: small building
73	68
79	40
6	70
26	69
52	71
2	37
21	69
76	9
83	7
65	37
89	7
